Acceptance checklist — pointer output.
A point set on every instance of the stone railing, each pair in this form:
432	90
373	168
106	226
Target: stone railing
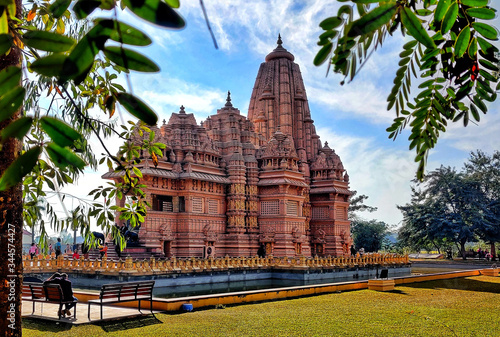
190	265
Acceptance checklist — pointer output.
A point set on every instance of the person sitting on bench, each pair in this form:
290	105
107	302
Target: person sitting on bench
65	283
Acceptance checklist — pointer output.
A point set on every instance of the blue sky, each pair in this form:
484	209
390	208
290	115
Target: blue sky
352	118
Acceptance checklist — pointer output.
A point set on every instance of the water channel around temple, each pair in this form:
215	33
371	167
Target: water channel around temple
193	284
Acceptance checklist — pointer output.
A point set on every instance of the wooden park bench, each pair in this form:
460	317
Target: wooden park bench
125	292
48	293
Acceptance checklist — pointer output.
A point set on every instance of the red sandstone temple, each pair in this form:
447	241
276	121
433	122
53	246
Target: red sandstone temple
236	185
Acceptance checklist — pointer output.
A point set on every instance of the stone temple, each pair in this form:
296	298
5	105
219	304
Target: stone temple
238	186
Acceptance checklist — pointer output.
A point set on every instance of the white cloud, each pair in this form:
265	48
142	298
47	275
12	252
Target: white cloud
172	93
383	174
365	101
483	135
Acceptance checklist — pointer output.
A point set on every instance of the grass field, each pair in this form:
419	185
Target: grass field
456	307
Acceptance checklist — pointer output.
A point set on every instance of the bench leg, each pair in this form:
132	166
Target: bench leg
151	305
74	315
60	308
101	311
140	306
89	311
33	308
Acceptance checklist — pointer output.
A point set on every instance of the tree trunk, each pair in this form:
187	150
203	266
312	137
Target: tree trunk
11	225
493	251
462	249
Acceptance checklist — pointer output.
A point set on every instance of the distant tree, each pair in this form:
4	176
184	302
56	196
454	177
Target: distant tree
356	204
369	235
419	231
448	51
485	170
447	206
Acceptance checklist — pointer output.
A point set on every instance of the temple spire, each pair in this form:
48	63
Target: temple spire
279	42
228	99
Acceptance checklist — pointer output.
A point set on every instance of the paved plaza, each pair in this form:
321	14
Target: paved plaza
48	311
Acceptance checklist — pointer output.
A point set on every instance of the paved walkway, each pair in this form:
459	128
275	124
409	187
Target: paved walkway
49	312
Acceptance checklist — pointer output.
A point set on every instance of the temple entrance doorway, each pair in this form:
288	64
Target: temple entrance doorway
167	248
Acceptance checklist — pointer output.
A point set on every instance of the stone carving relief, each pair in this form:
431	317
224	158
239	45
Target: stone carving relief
166	232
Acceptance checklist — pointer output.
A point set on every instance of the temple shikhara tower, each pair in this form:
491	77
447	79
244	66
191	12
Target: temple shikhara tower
238	186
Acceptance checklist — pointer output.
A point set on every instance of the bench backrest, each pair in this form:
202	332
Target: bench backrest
33	289
53	292
127	289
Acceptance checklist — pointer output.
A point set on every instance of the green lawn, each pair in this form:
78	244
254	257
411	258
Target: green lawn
457	307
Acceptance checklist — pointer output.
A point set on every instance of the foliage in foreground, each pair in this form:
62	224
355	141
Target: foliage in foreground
76	63
449	54
424	309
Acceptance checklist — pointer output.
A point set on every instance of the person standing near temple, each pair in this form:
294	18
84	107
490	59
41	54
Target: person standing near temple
32	250
58	247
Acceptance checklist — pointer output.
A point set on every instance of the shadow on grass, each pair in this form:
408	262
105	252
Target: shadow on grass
44	325
397	291
133	323
468	284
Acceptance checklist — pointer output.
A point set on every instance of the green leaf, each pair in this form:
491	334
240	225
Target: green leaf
406	53
137	108
61	133
449	18
414	27
59	7
51	65
331	23
486	47
489	65
85	7
62	157
80	60
475	3
480	104
48	41
462	42
11	102
9	78
473	48
441	10
121	32
430	53
373	20
19	168
157	12
481	13
130	59
137	172
5	43
423	12
17	129
475	113
410	45
486	30
323	54
173	3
